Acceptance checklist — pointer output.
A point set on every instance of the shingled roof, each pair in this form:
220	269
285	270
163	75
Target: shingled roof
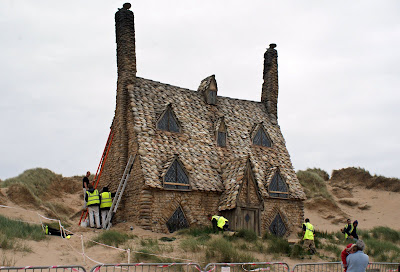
209	167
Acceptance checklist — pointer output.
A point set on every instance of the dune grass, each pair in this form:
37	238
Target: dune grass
16	229
313	183
36	180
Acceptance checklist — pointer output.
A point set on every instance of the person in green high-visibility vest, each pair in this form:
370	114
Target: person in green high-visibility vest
105	204
308	236
218	222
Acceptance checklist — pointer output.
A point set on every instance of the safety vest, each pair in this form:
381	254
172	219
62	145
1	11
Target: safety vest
309	234
220	221
93	198
46	230
106	200
351	230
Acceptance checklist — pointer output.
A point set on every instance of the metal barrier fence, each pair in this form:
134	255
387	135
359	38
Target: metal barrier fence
337	267
211	267
247	267
148	267
383	267
318	267
55	268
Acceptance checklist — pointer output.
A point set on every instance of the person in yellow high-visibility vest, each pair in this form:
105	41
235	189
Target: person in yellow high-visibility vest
92	199
308	236
218	222
105	205
348	228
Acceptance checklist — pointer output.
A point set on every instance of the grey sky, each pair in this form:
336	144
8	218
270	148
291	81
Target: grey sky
339	70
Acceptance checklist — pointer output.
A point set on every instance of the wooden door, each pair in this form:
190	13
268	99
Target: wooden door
250	219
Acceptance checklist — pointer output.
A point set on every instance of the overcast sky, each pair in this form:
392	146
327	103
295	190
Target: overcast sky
339	74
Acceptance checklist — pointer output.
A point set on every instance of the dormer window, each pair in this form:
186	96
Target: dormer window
211	97
176	177
261	138
221	134
278	187
168	121
208	87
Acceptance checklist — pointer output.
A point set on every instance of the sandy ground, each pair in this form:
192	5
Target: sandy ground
383	211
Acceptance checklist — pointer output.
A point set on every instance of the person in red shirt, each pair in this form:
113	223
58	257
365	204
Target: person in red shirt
348	250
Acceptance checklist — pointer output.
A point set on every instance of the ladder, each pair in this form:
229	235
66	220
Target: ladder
120	191
99	170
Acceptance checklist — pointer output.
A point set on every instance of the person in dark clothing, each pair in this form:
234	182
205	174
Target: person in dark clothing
52	231
105	205
353	233
85	184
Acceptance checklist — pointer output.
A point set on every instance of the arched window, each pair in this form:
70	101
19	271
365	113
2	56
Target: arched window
261	138
278	187
221	134
176	177
277	226
168	121
177	221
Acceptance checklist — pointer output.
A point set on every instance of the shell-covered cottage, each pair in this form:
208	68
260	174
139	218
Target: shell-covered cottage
199	153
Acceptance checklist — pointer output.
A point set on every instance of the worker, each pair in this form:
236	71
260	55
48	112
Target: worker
92	199
353	232
105	204
218	222
348	228
308	236
85	182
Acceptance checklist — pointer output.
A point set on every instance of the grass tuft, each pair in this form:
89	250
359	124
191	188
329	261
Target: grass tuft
16	229
248	235
112	238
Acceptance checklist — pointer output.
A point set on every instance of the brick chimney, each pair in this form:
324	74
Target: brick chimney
125	39
269	95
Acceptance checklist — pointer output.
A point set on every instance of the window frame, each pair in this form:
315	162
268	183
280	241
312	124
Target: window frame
184	186
270	192
261	137
170	114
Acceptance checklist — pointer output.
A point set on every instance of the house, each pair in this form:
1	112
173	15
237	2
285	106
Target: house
198	153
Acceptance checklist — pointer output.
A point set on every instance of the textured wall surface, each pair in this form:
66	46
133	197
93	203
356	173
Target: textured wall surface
215	173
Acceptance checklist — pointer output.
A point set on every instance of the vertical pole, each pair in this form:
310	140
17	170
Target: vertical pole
83	250
129	255
61	229
40	220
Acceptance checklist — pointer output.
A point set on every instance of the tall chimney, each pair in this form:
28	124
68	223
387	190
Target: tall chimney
125	39
269	95
126	62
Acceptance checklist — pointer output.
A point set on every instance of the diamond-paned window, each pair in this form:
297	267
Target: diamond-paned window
261	138
176	178
278	187
168	121
277	226
177	221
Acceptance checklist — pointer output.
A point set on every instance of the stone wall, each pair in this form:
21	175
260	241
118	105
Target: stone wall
292	213
195	205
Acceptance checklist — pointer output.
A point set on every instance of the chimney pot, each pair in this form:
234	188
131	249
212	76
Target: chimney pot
127	6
